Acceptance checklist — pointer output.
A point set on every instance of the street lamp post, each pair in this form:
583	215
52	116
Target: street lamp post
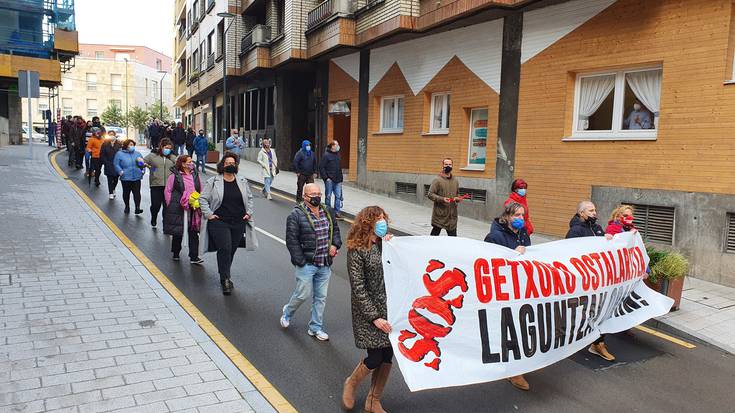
160	84
225	109
127	119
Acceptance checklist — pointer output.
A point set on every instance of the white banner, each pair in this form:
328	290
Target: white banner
465	311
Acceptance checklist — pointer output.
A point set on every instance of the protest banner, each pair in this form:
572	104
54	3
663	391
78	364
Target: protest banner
465	311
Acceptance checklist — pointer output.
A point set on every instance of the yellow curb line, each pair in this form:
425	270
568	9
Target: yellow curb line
265	388
665	337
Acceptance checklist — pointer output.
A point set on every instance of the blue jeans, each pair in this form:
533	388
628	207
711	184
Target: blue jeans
314	281
267	185
180	149
201	162
333	188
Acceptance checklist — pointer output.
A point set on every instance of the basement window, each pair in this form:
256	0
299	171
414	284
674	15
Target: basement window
478	196
405	188
655	223
730	237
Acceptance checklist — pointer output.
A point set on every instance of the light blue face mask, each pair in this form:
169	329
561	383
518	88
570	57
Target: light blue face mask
381	228
517	223
166	152
521	191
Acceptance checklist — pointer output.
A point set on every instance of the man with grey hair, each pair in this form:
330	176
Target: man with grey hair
584	224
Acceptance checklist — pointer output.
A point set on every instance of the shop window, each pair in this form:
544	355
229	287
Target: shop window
655	223
730	238
439	113
405	188
618	105
391	114
477	148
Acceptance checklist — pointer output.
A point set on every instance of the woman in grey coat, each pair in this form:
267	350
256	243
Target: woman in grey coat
369	306
227	209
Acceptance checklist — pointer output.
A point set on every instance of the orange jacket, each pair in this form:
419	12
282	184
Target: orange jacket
94	145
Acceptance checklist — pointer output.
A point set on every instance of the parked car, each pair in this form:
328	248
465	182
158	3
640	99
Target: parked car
37	137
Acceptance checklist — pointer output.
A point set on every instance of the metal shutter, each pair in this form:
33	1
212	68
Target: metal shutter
730	240
405	188
656	223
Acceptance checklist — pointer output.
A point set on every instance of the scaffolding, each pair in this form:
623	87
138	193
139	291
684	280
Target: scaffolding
29	26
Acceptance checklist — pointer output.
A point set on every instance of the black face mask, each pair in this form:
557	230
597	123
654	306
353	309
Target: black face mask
447	169
231	169
315	200
592	220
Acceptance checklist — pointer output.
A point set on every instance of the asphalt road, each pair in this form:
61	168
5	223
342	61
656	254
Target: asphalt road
651	374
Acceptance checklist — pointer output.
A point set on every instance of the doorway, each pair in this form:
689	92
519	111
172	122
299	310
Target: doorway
341	132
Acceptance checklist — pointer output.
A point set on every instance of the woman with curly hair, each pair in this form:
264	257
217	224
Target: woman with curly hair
621	220
369	306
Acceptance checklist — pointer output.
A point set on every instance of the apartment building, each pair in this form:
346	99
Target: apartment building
36	35
611	100
111	75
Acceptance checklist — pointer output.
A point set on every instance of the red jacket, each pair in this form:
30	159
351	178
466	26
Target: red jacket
514	197
616	227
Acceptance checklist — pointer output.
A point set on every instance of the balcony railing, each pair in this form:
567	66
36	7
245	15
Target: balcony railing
210	61
325	10
259	36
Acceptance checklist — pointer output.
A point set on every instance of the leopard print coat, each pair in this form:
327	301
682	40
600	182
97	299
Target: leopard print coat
365	269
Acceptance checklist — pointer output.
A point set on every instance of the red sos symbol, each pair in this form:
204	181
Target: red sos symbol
428	331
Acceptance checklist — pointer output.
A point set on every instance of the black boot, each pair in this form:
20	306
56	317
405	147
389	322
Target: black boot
227	286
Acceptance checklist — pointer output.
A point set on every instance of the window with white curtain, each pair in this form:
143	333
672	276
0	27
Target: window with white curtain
439	113
391	114
617	105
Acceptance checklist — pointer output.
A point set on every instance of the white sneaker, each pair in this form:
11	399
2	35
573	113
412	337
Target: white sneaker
112	196
319	335
269	196
285	322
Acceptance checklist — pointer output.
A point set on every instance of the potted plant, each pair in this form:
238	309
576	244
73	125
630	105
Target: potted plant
212	153
668	269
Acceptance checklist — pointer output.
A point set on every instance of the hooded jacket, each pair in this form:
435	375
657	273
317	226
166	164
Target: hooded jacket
330	167
514	197
304	162
501	234
578	227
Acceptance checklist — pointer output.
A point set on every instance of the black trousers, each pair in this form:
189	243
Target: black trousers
96	166
157	200
193	244
112	183
226	236
435	231
134	187
300	182
377	356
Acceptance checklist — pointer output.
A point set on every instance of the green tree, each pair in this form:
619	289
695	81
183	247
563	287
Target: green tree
113	115
138	118
154	111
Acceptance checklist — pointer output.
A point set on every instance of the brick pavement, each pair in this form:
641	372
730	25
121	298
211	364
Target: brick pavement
90	329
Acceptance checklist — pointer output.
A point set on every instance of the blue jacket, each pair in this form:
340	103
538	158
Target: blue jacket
201	145
500	234
232	144
126	163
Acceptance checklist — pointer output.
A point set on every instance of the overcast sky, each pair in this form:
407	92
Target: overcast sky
127	22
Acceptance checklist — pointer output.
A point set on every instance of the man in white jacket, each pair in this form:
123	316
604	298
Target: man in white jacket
269	163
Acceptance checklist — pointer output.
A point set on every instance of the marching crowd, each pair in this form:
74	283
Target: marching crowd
216	215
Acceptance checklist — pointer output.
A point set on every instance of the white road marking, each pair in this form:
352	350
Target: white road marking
269	235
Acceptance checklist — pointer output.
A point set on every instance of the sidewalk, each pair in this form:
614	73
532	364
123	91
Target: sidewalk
707	310
84	326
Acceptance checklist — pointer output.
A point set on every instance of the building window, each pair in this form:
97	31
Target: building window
730	238
281	15
618	105
91	81
655	223
116	103
220	38
66	104
195	58
154	88
99	55
391	114
121	57
116	81
439	113
158	64
195	10
210	43
66	84
91	108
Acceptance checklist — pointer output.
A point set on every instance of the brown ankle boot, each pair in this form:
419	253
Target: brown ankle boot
519	382
351	383
377	384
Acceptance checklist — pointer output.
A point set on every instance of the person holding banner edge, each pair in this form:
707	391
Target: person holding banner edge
509	230
584	224
369	306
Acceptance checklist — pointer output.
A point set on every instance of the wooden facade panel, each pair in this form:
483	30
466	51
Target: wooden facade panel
395	24
48	70
66	41
338	32
694	141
